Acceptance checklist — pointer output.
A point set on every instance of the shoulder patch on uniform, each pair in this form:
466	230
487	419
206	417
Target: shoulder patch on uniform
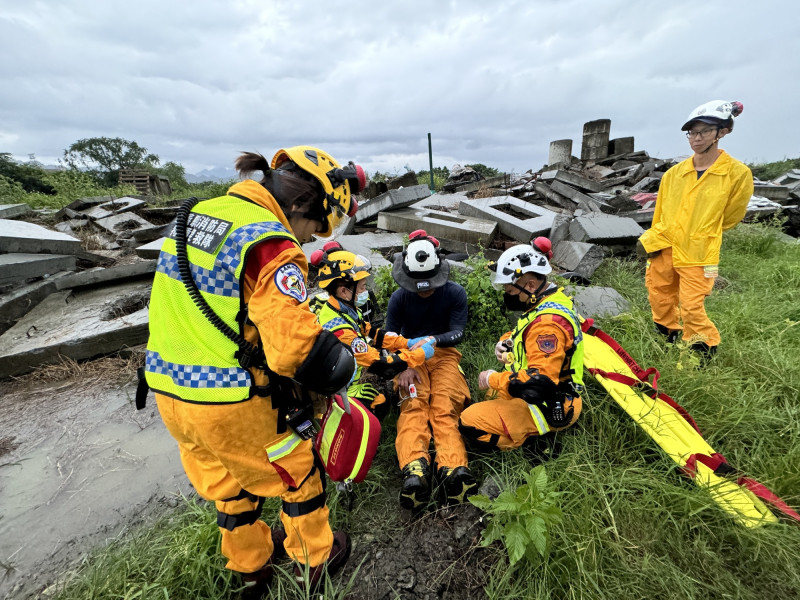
290	281
547	343
358	346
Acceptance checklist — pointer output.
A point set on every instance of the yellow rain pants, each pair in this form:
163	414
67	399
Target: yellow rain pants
677	297
441	395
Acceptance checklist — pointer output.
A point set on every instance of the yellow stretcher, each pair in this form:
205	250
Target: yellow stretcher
674	430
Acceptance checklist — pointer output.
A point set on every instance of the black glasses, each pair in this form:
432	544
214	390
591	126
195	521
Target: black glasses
701	133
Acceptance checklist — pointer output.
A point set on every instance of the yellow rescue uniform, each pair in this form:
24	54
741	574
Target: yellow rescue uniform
504	421
691	214
224	447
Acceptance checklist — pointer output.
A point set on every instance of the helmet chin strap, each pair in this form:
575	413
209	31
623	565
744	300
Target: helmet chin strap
534	295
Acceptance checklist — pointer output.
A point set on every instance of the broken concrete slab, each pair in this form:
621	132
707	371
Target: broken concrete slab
544	190
391	200
151	250
560	229
777	193
572	179
114	207
475	186
82	204
17	268
116	274
439	224
17	303
371	245
594	302
14	211
77	325
24	237
578	257
515	218
601	228
581	200
128	225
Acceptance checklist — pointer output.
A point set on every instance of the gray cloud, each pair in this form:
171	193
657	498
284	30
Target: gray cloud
196	82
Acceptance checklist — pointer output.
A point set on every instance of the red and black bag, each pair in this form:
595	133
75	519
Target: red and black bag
348	439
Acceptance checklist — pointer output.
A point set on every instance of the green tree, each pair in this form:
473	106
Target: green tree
103	158
28	176
485	171
176	173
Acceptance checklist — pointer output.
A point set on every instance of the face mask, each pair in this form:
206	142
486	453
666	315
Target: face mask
514	303
362	298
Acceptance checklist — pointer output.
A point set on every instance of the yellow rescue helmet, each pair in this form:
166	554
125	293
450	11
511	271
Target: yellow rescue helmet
334	262
339	183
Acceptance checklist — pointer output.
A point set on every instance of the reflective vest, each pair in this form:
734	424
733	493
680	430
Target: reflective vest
335	320
557	303
188	358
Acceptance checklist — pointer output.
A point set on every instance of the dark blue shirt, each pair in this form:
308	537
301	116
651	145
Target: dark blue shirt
443	314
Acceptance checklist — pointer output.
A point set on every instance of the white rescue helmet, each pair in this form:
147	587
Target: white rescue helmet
420	268
518	260
716	112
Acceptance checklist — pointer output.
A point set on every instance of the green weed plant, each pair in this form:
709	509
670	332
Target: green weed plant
522	518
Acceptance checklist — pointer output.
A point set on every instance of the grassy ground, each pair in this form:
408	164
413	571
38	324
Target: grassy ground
633	527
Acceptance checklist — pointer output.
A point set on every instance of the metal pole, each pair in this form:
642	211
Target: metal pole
430	159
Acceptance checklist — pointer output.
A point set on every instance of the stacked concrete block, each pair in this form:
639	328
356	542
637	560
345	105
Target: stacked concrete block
560	152
623	145
595	139
515	218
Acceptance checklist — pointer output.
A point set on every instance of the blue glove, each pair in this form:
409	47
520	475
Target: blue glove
428	349
413	341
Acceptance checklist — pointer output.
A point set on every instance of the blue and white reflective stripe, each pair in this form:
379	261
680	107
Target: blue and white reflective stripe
538	419
283	447
334	323
230	255
220	283
197	376
578	334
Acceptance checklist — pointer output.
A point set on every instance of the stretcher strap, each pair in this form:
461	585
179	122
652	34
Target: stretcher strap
717	463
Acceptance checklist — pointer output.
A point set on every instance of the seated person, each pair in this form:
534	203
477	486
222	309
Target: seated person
430	309
344	276
538	391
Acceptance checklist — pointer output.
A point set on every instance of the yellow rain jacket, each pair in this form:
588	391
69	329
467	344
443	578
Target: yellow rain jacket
692	213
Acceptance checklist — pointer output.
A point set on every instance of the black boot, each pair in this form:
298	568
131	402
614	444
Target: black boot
416	490
705	352
670	334
455	485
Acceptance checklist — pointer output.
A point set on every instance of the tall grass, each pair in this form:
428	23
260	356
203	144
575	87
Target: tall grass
633	526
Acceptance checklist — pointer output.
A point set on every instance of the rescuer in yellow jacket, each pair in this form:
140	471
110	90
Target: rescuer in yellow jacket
344	276
237	402
538	391
698	199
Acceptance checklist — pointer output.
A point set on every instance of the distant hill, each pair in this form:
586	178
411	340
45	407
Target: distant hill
216	174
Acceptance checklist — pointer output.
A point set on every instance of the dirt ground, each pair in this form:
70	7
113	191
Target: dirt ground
79	465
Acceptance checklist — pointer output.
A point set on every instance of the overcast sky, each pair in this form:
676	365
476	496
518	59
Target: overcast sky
493	81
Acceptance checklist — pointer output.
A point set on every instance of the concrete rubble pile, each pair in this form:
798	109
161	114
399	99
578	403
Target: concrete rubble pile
58	299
